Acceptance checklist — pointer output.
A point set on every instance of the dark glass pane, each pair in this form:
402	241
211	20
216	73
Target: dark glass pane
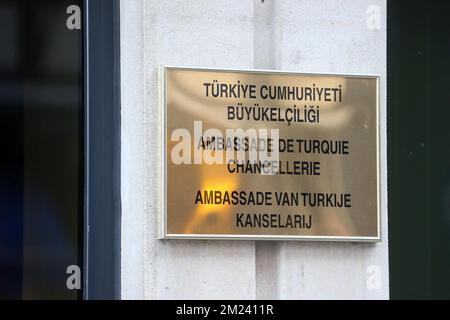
419	149
41	123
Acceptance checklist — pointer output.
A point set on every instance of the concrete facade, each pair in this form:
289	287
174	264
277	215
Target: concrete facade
338	36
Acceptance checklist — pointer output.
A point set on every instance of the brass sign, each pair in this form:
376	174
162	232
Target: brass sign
269	155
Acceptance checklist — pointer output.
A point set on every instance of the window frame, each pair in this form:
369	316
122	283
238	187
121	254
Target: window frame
102	150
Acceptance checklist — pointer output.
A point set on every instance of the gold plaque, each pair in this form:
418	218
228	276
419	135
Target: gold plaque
269	155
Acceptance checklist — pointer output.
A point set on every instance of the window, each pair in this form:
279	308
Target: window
58	69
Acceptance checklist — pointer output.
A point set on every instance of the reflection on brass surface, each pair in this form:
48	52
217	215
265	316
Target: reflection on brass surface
326	188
